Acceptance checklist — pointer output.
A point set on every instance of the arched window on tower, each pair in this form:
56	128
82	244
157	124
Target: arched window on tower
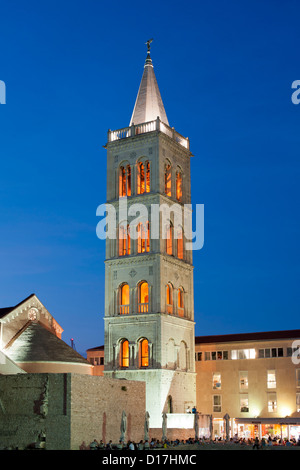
180	302
169	298
143	177
147	177
124	240
124	299
143	232
168	181
178	186
144	353
124	353
143	304
169	238
125	181
180	243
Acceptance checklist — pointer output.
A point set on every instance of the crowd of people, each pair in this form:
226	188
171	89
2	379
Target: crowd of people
255	443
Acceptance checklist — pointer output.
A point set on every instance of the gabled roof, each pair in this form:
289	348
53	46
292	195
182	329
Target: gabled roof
6	310
149	104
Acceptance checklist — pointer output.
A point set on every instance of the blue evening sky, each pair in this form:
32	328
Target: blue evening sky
225	68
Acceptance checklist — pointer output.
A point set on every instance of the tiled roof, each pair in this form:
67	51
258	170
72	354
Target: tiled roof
266	335
36	343
99	348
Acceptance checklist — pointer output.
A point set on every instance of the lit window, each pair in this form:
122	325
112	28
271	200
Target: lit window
180	244
125	181
244	403
143	232
243	376
169	296
216	381
272	402
147	177
168	191
124	299
124	240
217	407
271	379
178	186
124	353
180	302
143	178
144	353
143	297
169	239
243	354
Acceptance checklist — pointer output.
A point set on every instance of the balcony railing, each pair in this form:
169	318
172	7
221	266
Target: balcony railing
143	308
146	127
124	309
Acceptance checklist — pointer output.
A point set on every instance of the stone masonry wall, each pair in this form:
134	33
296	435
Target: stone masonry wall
31	404
69	409
97	404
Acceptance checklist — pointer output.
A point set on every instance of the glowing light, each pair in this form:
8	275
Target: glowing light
285	411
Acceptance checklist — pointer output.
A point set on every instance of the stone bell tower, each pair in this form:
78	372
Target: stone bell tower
149	311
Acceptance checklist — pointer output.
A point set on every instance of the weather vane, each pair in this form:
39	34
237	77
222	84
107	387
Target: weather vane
148	44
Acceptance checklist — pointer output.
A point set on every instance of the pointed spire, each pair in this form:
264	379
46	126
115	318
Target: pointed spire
148	105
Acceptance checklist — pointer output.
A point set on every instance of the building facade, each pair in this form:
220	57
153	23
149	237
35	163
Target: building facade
149	314
254	378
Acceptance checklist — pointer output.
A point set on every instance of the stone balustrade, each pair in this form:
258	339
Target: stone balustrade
145	127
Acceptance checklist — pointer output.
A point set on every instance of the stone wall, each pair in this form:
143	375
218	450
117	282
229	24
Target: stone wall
68	409
97	404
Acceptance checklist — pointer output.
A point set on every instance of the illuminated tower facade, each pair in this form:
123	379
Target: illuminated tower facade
149	309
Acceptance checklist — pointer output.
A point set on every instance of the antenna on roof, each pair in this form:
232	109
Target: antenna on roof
73	344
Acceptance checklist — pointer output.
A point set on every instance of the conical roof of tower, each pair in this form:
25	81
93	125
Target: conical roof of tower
149	104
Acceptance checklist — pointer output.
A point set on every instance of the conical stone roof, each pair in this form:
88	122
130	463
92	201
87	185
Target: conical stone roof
36	344
149	104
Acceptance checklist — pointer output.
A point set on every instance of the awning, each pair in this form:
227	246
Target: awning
283	421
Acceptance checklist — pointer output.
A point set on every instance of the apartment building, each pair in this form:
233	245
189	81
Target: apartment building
254	378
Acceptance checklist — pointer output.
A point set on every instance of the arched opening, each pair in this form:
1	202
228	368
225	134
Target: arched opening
169	298
147	177
124	240
183	356
143	306
124	353
169	239
143	177
144	353
178	186
168	180
180	302
124	299
143	231
180	243
125	181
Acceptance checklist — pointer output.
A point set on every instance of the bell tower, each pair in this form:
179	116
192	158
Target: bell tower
149	311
